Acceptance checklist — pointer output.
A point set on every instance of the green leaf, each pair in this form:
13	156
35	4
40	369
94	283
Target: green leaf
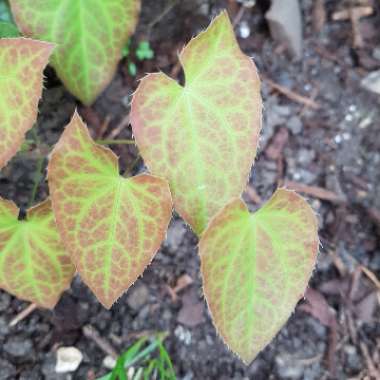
256	267
8	30
22	62
132	69
90	36
33	263
139	354
201	137
112	226
144	51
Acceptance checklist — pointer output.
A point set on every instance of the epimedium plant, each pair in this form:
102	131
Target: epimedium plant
89	38
199	141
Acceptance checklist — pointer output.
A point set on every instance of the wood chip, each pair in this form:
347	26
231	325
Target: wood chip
358	12
182	282
192	311
315	191
277	144
318	307
319	15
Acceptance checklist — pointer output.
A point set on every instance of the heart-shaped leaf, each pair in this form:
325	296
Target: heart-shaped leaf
201	137
256	267
90	36
33	263
22	62
111	225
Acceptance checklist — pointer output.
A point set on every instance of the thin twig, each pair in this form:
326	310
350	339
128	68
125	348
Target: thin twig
103	127
373	371
118	129
292	95
371	276
314	191
239	16
161	15
22	315
252	194
91	333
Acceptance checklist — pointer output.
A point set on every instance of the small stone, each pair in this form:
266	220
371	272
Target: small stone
244	29
34	374
372	82
183	335
137	296
294	124
48	368
376	53
285	23
4	327
305	156
318	328
176	234
68	359
247	3
338	139
305	176
5	301
288	368
353	358
19	348
109	362
7	370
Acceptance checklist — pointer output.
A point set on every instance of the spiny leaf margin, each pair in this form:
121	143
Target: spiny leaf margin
22	62
255	268
33	263
112	226
201	137
89	35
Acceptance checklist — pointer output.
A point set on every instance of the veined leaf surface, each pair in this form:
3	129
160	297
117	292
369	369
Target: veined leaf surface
90	36
256	267
201	137
22	62
33	263
112	226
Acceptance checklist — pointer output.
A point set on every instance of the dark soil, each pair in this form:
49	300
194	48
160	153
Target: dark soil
336	147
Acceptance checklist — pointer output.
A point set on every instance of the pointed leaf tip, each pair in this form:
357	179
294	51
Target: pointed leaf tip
90	36
255	266
33	264
112	226
201	137
22	62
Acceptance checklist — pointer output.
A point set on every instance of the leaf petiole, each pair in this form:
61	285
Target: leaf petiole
116	142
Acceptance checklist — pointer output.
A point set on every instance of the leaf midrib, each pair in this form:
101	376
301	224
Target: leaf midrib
112	234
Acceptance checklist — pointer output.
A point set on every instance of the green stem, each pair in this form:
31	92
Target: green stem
116	142
38	176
